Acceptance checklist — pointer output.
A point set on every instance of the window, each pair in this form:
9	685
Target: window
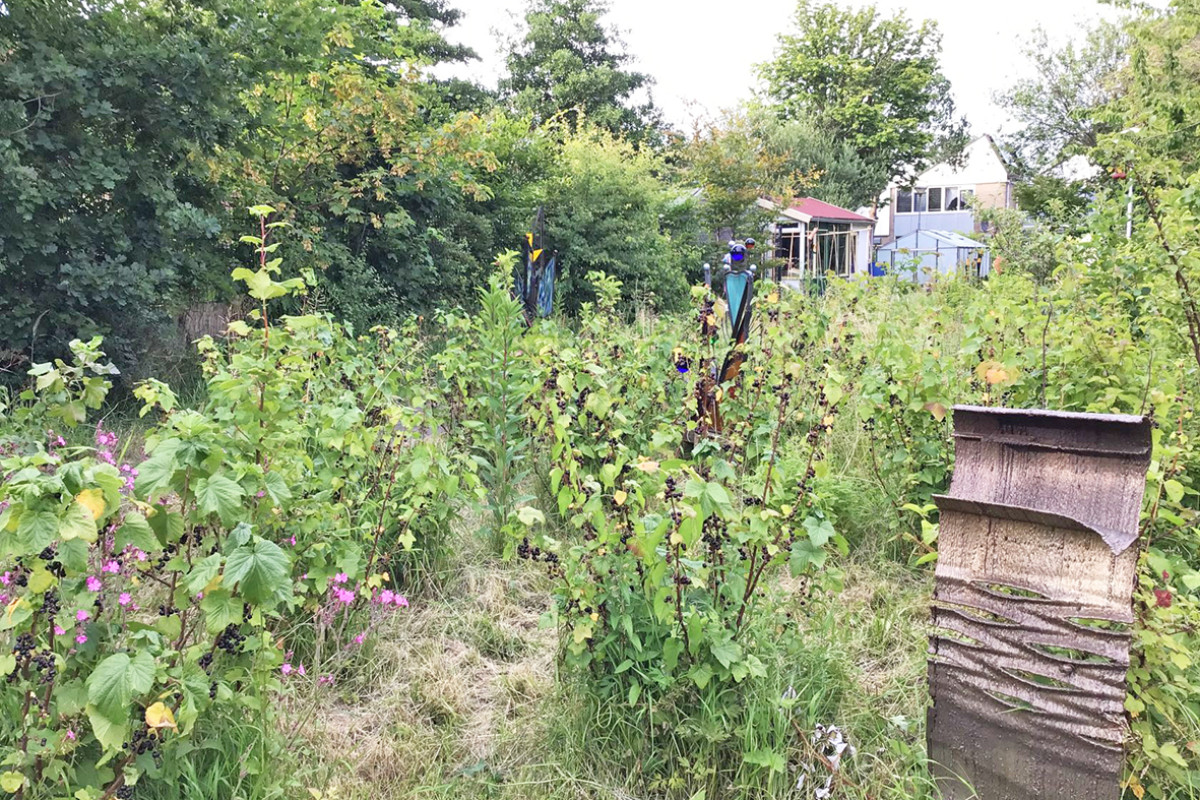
920	201
935	199
904	202
967	196
953	201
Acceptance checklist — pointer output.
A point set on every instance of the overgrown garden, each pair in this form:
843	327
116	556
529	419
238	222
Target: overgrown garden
381	535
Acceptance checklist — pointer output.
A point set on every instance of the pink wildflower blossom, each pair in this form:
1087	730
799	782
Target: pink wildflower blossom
124	599
6	578
300	670
360	638
402	601
286	669
82	615
59	631
341	577
387	597
80	639
71	734
112	567
93	583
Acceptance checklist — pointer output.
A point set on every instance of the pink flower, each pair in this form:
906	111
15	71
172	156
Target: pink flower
59	630
325	680
6	578
112	566
341	577
71	734
402	601
139	554
124	599
360	638
286	669
93	583
344	596
300	670
80	639
81	615
386	597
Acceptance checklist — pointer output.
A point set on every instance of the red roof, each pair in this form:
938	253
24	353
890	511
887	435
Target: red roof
818	209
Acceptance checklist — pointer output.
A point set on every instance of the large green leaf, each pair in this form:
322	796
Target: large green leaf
220	609
36	530
260	570
155	473
78	523
115	682
135	531
219	495
820	530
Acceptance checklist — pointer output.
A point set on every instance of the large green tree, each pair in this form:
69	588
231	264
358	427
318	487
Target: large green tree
132	134
1058	108
568	62
867	79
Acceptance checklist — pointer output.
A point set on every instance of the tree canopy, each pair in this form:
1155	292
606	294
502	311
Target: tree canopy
870	80
568	62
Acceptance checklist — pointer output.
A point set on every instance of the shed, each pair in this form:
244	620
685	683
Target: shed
815	238
924	253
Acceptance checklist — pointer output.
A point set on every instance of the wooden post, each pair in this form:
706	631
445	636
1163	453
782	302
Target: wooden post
1032	605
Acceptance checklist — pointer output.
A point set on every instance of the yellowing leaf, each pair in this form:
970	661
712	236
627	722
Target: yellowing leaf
159	716
93	501
676	539
937	409
619	497
648	467
11	781
997	375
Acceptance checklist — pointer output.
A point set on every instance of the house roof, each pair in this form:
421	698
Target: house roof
818	209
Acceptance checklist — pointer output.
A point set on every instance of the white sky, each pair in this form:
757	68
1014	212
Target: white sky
702	53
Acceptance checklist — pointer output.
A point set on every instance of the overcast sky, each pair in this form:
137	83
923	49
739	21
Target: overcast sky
702	53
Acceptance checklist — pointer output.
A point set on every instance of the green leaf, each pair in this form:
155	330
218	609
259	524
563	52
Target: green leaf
820	531
530	516
78	523
220	609
155	473
277	488
219	495
111	733
805	554
1174	490
727	653
11	781
36	530
135	531
766	758
117	680
671	650
260	571
202	573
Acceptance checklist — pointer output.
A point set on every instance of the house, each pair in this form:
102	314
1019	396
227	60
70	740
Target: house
815	238
945	196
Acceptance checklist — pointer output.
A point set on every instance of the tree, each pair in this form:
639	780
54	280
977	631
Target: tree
132	136
605	209
872	81
567	62
1058	109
